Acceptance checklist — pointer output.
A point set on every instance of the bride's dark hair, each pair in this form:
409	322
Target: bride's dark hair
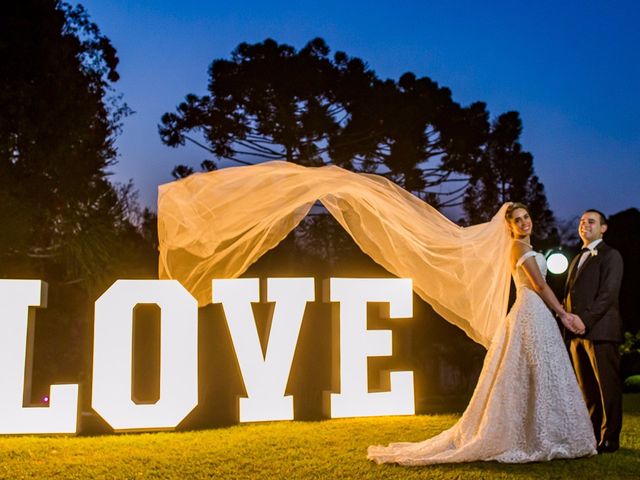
511	208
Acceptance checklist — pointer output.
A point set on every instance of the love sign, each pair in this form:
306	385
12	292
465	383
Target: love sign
265	376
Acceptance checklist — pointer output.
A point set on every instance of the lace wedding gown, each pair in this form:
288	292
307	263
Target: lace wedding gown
527	405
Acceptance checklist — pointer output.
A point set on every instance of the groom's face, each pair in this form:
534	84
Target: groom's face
590	228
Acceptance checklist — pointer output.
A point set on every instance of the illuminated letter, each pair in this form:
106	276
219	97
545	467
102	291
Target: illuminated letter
265	377
357	343
16	345
112	355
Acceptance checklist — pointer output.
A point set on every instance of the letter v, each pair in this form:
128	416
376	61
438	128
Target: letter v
265	377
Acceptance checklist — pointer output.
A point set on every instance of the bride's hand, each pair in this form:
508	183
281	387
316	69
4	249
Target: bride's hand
569	321
579	324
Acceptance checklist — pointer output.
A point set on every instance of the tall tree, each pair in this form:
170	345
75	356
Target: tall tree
271	102
505	174
268	102
58	121
61	219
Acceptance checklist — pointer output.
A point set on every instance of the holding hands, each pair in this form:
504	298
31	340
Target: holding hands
573	323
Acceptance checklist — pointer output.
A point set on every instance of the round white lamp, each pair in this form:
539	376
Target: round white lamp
557	263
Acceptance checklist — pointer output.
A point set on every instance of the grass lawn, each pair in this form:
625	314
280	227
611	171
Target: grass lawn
326	449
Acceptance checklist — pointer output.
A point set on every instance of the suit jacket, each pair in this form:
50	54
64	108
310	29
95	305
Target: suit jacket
592	293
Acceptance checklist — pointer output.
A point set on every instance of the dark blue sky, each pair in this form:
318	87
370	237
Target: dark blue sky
572	69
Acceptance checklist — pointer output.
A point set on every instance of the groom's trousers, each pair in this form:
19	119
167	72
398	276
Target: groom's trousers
597	367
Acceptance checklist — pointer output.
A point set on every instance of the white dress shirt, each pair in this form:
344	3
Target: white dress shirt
592	246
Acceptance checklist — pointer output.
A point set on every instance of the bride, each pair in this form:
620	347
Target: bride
527	405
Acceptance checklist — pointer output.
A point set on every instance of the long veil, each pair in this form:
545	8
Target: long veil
216	224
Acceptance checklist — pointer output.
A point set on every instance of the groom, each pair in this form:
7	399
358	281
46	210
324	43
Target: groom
591	292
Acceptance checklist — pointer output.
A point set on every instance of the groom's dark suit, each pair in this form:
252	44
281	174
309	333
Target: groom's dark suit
592	293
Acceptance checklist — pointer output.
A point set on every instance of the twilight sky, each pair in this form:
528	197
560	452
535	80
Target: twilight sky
572	70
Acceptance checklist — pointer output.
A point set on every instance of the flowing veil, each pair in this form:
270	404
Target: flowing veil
216	224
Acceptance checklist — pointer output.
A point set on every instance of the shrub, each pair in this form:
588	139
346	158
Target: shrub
632	384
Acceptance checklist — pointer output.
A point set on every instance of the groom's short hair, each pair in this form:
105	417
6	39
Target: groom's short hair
603	217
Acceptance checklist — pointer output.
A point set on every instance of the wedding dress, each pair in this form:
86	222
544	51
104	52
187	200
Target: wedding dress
527	405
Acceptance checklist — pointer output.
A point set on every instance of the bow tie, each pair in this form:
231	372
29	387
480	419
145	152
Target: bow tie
585	249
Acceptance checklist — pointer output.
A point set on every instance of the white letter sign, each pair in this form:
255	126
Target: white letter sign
112	355
357	343
16	327
265	377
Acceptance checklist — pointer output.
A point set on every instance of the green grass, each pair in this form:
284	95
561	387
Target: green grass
327	449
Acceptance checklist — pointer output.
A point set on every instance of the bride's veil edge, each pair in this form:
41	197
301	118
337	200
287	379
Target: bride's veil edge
216	224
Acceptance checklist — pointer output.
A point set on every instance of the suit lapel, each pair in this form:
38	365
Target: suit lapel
586	263
571	277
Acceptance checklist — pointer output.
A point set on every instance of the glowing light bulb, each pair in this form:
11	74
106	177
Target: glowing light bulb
557	263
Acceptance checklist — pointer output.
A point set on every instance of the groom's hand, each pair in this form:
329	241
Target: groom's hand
578	324
572	323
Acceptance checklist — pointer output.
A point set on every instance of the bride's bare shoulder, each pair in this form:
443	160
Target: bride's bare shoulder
518	248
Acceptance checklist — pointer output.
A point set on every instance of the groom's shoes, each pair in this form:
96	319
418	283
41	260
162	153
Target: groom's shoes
608	446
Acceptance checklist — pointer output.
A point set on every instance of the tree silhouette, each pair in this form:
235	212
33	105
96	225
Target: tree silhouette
57	129
268	102
505	173
61	220
623	234
271	102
